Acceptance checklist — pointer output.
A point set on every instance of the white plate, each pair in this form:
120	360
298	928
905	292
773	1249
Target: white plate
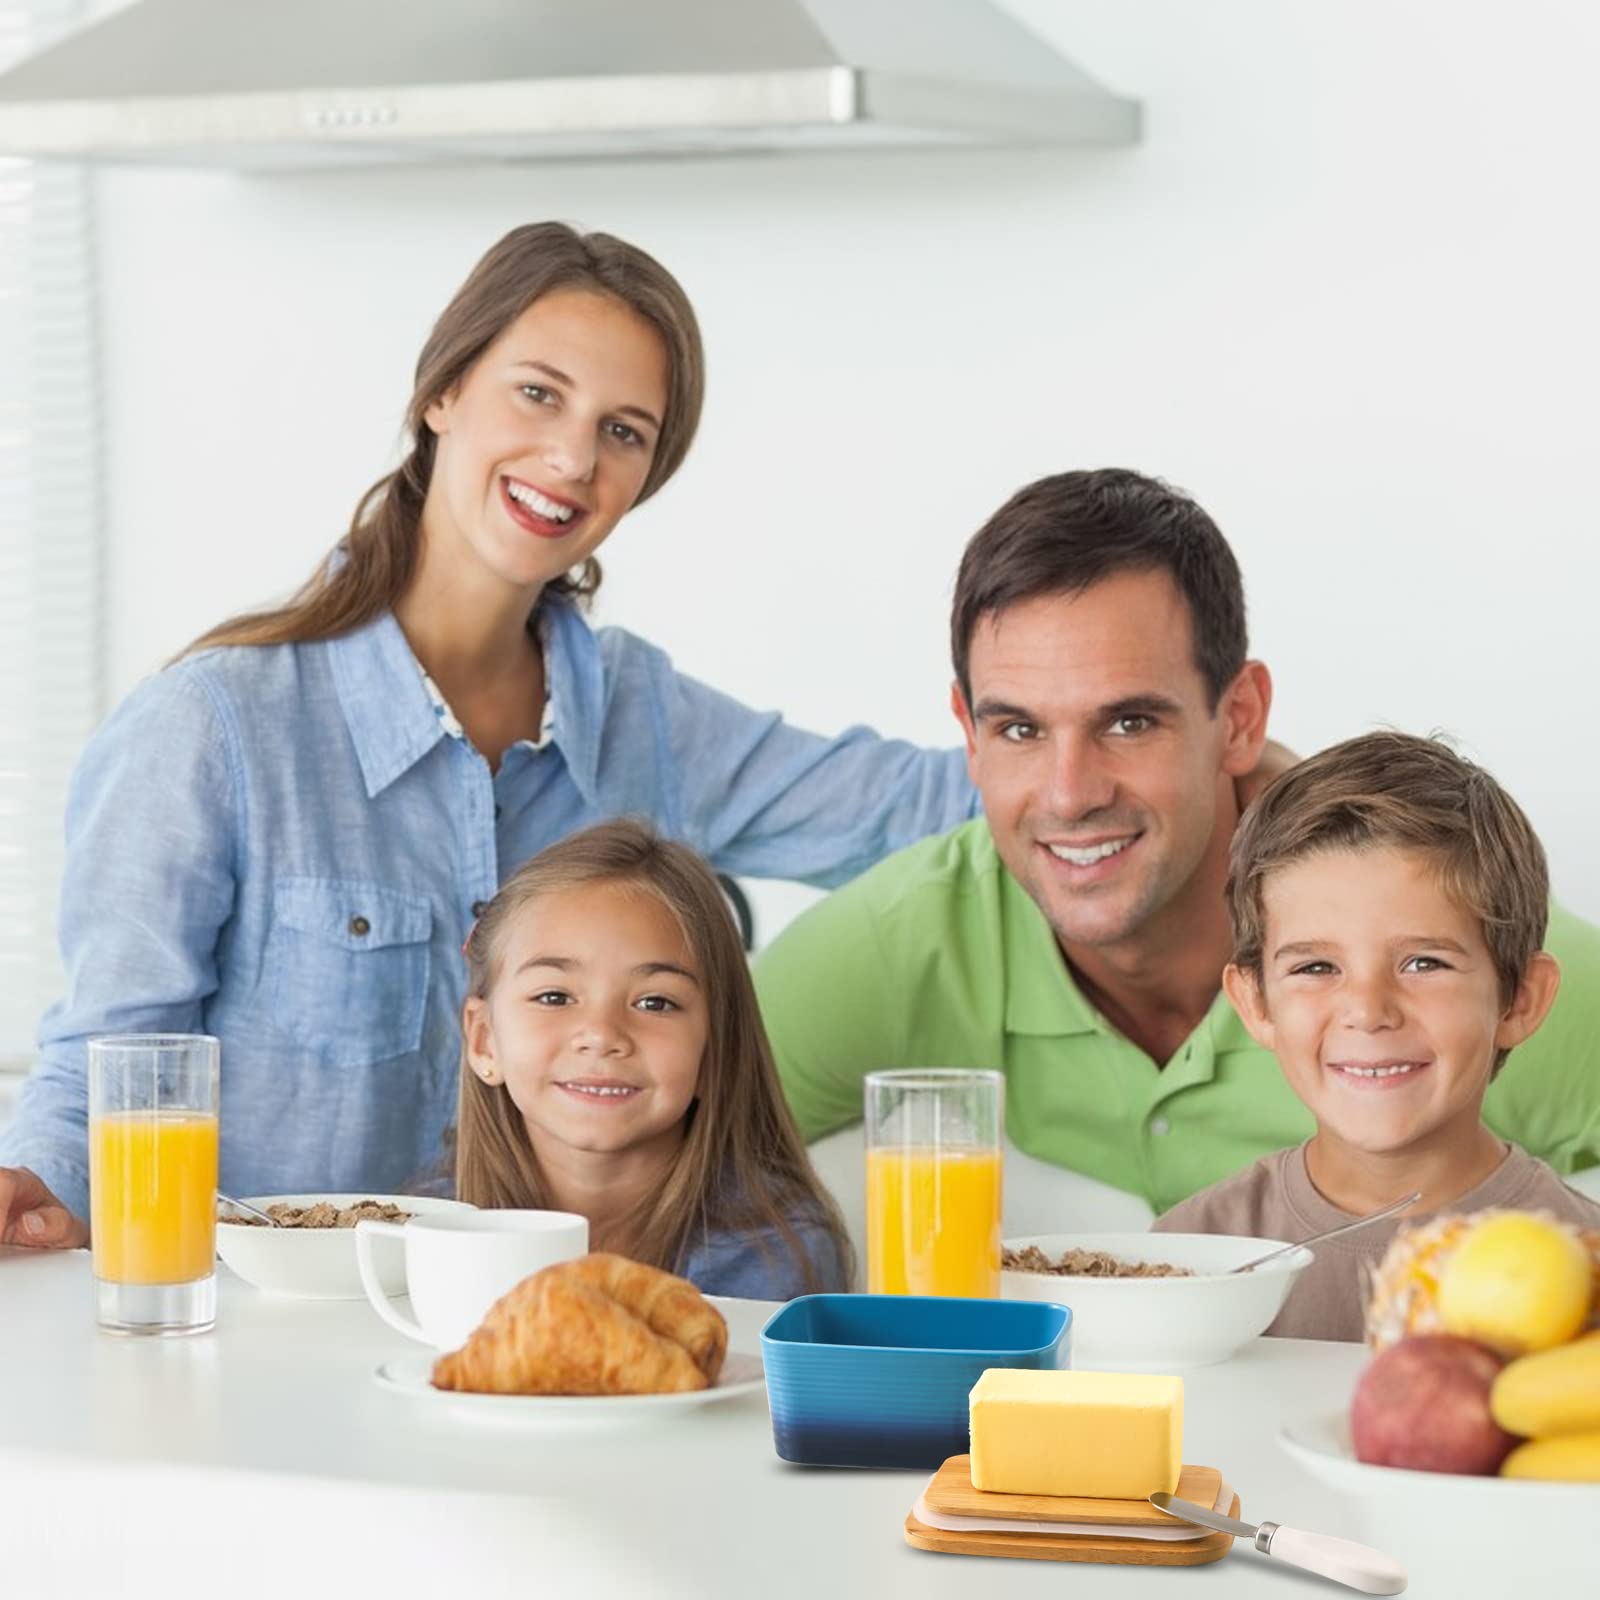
409	1376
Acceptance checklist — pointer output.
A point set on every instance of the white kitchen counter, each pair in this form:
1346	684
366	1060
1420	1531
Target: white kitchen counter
261	1459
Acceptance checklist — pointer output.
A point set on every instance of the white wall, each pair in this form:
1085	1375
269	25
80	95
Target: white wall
1345	292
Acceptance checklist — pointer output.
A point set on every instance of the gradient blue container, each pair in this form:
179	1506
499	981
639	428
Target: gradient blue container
881	1380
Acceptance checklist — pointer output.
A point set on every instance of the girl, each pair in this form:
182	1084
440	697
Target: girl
613	1063
282	838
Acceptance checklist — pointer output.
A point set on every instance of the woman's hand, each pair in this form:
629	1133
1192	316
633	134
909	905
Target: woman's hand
1276	759
31	1215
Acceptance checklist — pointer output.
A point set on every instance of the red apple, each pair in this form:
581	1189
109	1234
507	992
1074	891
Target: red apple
1424	1403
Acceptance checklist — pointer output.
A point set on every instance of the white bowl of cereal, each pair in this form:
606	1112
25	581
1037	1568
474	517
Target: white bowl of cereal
1152	1302
313	1254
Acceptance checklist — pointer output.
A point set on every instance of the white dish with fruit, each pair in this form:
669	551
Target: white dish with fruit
1478	1416
1486	1358
1447	1527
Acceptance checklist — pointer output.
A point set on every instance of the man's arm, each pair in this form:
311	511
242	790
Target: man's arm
833	1010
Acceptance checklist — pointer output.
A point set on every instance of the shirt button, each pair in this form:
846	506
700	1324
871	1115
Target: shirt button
1159	1125
497	811
359	925
479	907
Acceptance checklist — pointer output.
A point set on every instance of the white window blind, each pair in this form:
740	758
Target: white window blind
51	609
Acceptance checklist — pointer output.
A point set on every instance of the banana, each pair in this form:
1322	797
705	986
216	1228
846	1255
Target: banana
1553	1392
1573	1458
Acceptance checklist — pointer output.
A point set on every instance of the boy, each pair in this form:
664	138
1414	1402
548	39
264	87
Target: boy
1388	902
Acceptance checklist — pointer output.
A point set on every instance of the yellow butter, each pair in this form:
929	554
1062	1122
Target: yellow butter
1110	1435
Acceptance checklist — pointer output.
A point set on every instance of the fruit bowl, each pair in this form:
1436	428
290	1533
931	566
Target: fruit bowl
1436	1523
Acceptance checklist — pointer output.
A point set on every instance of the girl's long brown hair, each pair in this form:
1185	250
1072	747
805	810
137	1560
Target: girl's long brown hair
742	1163
369	573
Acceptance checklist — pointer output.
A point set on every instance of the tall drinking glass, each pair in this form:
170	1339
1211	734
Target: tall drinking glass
934	1144
153	1180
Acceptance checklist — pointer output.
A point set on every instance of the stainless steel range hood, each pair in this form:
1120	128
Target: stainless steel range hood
294	83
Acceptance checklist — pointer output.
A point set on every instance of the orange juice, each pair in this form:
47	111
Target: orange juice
933	1221
153	1196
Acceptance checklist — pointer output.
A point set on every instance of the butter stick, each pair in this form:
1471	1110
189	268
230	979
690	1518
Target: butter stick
1107	1435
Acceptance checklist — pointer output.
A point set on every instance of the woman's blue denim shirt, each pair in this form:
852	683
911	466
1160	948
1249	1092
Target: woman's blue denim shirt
281	845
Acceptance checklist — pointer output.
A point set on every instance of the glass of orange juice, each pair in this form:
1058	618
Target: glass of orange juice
934	1143
153	1180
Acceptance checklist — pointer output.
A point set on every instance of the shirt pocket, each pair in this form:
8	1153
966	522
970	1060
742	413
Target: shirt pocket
347	968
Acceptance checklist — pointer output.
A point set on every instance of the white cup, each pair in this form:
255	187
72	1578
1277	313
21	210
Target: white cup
458	1263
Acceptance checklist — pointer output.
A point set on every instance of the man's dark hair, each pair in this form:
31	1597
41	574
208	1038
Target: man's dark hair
1063	534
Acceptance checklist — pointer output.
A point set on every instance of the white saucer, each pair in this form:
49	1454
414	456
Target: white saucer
410	1376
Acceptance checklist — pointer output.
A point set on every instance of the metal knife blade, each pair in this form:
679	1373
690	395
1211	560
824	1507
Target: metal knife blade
1188	1511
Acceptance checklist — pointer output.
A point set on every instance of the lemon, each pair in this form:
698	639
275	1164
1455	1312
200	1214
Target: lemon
1516	1282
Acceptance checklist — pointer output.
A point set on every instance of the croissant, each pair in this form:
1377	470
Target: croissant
600	1325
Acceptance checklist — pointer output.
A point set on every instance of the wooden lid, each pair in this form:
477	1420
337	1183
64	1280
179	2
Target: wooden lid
951	1495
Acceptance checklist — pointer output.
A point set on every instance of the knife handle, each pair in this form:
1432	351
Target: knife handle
1345	1561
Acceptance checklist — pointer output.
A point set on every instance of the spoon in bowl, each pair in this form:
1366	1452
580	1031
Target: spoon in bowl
241	1205
1328	1233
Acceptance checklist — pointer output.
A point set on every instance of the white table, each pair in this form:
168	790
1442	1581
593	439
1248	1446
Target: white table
263	1459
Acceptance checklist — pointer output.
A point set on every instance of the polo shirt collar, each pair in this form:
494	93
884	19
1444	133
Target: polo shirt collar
1042	997
1227	1031
392	723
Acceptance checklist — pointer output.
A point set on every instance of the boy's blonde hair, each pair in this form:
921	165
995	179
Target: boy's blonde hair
742	1163
1396	791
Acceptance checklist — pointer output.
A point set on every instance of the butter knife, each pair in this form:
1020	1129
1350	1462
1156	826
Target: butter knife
1356	1565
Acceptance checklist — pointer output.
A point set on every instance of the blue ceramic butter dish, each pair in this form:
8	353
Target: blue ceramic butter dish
881	1380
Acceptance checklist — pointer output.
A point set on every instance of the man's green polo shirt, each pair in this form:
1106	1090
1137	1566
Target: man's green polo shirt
938	958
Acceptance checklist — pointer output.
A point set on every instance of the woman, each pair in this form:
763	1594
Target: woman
283	837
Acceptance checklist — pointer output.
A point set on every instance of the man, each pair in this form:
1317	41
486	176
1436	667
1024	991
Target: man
1075	936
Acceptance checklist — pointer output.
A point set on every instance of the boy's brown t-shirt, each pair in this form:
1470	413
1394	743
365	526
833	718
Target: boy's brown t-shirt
1276	1199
